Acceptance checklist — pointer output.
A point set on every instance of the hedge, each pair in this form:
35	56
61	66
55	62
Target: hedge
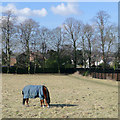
14	69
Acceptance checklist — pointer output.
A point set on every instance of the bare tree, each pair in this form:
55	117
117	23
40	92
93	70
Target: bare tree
57	39
88	31
83	45
72	33
8	32
111	40
102	23
27	31
107	34
34	47
43	42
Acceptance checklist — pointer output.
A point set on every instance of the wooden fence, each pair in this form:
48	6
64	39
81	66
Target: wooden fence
101	74
112	76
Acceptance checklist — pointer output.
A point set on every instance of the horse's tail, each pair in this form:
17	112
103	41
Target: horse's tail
47	95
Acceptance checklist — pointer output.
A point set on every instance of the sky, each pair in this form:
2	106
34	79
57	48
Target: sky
53	14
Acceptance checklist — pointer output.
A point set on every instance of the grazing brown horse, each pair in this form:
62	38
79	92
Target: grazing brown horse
34	91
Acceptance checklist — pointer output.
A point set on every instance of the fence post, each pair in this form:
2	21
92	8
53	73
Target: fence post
117	76
112	75
101	75
105	75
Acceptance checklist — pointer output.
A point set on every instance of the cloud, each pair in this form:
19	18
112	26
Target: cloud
25	12
21	18
41	12
62	9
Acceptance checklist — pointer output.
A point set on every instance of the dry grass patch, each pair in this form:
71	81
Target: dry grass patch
72	96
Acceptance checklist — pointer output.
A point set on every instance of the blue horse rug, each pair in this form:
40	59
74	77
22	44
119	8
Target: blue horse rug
33	91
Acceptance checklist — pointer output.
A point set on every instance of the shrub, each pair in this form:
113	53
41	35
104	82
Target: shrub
86	73
107	66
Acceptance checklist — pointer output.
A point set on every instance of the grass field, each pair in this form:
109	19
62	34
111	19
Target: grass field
72	96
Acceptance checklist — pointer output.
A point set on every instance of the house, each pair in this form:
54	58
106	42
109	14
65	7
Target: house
98	62
34	56
13	60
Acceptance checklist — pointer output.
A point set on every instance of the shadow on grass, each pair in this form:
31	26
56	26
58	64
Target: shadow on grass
62	105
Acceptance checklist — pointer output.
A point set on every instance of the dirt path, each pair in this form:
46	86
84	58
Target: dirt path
72	96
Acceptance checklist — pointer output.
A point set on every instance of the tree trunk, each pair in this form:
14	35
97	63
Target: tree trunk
58	59
89	53
75	55
8	47
28	57
83	52
103	52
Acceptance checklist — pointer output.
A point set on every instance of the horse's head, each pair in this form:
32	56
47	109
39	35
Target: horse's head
46	94
48	97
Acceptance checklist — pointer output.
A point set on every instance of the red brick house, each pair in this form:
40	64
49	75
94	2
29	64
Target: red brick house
13	60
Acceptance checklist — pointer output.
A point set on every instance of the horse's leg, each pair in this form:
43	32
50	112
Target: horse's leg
46	103
24	101
42	103
27	101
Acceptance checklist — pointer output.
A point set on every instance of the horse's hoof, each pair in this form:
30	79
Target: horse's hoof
48	106
27	105
43	106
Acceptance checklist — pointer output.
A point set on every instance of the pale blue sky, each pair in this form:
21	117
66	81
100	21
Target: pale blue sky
84	11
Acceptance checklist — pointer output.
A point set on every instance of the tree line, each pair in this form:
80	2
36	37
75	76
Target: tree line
67	45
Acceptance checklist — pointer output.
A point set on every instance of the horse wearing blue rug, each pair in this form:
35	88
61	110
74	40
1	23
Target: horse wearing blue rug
34	91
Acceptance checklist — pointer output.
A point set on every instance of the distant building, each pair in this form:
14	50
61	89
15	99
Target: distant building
34	55
98	62
13	60
22	58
